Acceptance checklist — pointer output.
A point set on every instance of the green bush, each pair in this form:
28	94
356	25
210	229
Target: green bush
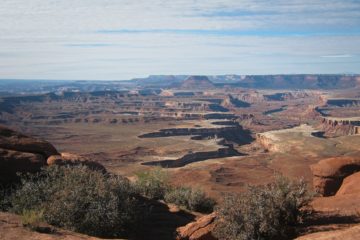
79	199
152	184
264	212
192	199
4	200
32	218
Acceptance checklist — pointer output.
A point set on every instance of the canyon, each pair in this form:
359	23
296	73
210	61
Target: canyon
217	133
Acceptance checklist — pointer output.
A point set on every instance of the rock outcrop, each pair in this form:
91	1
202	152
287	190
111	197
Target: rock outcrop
337	209
23	154
73	159
285	96
350	185
198	230
340	127
329	173
266	142
15	141
231	102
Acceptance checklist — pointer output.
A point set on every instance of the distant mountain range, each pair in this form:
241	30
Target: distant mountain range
157	82
290	81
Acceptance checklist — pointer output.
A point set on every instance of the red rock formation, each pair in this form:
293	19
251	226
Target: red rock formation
73	159
231	102
349	233
329	173
341	210
350	185
12	140
21	154
199	230
266	142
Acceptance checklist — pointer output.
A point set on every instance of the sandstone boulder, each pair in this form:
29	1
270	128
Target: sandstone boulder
13	140
329	173
346	207
73	159
21	154
350	185
198	230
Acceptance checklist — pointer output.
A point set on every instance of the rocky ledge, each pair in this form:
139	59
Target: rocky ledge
23	154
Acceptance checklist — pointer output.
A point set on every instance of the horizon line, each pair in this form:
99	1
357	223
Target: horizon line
134	78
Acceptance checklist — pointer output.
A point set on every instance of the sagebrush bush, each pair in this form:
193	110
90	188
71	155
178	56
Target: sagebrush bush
79	199
263	212
192	199
152	184
32	218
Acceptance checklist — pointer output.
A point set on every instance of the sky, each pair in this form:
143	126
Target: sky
124	39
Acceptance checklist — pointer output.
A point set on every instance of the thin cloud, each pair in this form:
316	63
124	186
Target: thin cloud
88	45
120	39
338	56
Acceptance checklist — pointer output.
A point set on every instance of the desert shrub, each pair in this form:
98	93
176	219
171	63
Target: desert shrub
32	218
264	212
192	199
4	198
152	183
79	199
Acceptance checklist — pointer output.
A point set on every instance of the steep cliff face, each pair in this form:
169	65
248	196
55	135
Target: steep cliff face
285	96
231	102
340	127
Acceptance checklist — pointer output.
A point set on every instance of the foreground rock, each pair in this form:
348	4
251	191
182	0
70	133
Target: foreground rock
199	230
73	159
343	234
350	185
11	228
329	173
336	175
23	154
344	207
15	141
338	209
